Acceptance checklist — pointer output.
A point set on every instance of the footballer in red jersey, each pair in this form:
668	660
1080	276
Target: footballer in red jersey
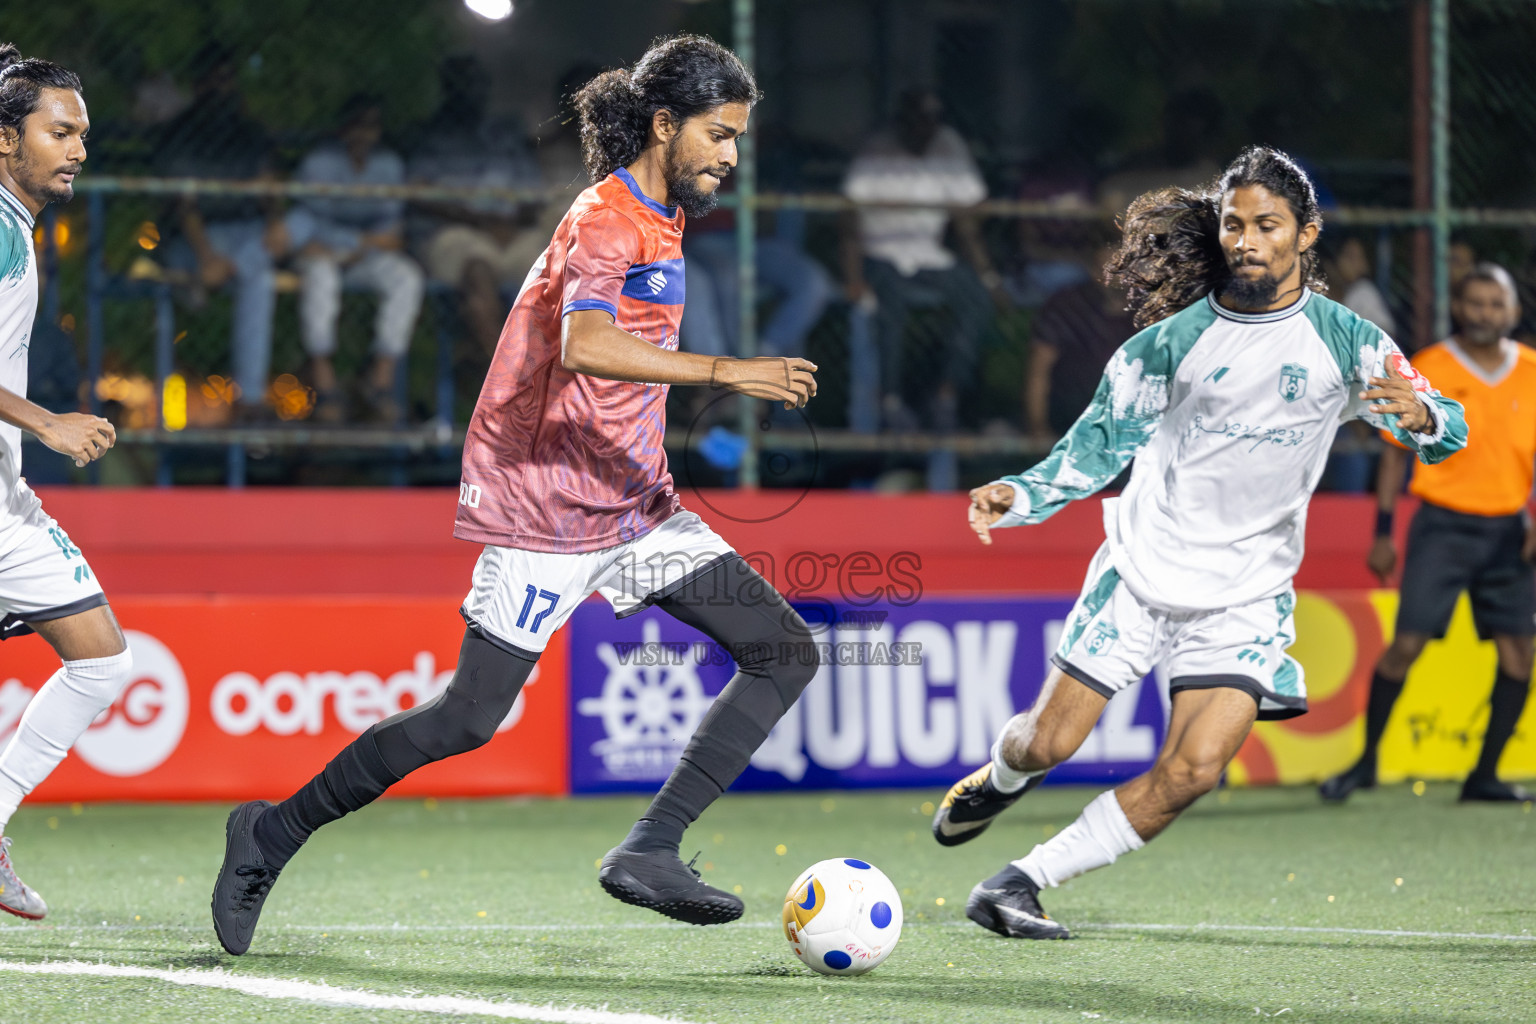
565	484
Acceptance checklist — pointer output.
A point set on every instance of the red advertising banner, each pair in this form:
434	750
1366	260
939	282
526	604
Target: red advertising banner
237	698
283	541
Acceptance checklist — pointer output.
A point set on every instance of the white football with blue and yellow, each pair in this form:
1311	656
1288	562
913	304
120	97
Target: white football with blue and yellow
842	916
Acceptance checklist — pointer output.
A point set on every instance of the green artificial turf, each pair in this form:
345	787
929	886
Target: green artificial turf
498	900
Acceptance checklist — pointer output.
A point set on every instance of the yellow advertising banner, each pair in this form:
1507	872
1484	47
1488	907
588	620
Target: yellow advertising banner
1436	728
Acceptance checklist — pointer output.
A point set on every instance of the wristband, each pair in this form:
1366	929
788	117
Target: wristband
1383	523
714	372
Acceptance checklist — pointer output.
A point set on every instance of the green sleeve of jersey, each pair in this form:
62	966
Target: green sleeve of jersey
1362	350
13	247
1123	416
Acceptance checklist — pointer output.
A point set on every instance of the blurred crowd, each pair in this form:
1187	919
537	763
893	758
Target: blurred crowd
917	289
328	248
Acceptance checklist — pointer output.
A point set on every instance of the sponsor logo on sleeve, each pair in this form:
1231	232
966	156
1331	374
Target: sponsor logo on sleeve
1405	369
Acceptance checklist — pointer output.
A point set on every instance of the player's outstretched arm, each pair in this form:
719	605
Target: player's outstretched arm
1118	423
82	437
591	344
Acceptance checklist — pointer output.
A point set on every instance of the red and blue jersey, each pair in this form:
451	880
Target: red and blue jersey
561	461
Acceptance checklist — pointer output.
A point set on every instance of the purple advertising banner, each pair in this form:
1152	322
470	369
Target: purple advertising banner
904	696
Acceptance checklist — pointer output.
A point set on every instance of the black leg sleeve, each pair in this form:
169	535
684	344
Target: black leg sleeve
776	659
1378	708
1505	706
464	716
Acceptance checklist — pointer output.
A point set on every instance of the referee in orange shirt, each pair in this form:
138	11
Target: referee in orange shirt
1471	533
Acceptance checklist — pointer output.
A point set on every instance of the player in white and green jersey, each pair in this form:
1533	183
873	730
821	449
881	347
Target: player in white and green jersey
1228	400
46	586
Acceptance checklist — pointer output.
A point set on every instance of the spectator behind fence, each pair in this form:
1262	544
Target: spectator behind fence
896	259
223	240
798	287
1460	259
481	247
354	243
1351	281
1077	331
1050	251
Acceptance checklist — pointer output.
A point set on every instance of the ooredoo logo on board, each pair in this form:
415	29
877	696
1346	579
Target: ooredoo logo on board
236	698
286	703
144	725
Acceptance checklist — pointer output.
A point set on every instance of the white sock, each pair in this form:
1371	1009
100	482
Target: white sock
1099	835
1006	779
63	709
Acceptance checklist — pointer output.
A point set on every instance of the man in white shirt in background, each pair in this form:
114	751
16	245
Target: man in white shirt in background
895	258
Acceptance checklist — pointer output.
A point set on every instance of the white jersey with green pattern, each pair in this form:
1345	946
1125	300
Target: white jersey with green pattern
1229	417
18	307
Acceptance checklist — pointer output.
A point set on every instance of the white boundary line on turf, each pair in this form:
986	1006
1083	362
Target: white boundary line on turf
385	929
330	995
1303	929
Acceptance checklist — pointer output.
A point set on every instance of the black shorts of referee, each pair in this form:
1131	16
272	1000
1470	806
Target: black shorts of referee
1449	552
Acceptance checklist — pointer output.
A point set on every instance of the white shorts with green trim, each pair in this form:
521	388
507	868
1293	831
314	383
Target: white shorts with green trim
521	597
1112	639
43	576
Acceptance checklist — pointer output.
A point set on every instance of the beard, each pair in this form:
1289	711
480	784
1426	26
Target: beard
1481	335
683	187
1249	292
40	184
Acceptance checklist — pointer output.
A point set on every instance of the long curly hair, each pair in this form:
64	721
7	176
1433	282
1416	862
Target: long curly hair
22	81
1170	254
684	74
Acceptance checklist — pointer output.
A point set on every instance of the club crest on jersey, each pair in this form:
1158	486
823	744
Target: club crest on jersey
1102	638
1293	381
657	282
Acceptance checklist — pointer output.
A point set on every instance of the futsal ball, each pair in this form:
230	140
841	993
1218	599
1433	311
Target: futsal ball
842	916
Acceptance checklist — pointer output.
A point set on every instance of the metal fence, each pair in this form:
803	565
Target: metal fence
946	357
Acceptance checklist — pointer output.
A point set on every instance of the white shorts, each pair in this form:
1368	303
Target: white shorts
522	597
1112	639
43	576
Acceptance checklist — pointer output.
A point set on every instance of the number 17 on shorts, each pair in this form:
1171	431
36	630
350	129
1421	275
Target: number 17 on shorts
522	597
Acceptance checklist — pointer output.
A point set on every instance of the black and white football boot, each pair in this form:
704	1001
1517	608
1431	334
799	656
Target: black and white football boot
971	804
1008	903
